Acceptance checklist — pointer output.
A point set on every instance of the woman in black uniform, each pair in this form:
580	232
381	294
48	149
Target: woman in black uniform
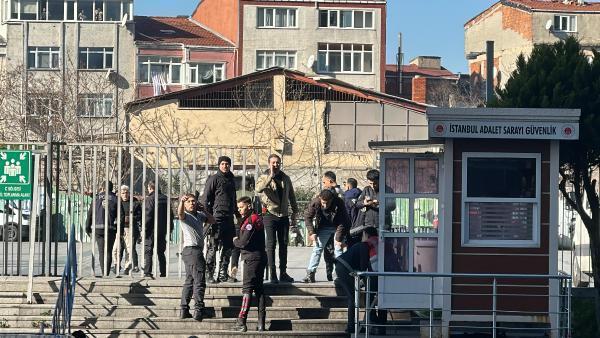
251	241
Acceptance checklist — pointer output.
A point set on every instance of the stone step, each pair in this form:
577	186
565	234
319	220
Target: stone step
169	311
136	333
162	286
145	323
171	300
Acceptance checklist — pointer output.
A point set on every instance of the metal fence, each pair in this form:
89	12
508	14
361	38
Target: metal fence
68	178
491	305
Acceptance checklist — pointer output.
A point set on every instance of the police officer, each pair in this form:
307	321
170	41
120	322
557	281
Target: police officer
251	241
192	227
219	199
105	199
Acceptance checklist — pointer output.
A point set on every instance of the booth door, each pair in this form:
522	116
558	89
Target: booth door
409	221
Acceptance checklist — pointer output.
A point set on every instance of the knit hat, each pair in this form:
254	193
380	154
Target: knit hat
224	159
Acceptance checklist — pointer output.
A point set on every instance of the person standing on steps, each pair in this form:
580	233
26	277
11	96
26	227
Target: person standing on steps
150	208
219	199
329	181
325	216
277	195
192	223
251	242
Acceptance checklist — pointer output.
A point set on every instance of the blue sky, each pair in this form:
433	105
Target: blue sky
429	27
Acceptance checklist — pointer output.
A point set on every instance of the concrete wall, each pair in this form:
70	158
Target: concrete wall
69	36
221	16
305	39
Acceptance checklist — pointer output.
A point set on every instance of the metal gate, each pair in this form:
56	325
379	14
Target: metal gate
68	178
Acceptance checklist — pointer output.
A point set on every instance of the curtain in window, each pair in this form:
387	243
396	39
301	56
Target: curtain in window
268	17
280	17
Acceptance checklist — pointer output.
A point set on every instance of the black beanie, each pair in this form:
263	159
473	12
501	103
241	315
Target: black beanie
224	159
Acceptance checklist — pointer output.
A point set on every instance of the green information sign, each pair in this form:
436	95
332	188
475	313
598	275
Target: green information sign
15	174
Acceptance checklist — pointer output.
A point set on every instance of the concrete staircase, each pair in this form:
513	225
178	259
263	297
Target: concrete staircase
137	307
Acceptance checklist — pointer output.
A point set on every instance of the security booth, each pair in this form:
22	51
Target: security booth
469	227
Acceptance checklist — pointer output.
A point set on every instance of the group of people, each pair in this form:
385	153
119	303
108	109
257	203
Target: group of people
343	224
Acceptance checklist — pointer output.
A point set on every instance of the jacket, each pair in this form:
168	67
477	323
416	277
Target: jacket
350	199
103	200
370	214
135	218
266	187
361	257
251	239
149	206
219	196
315	217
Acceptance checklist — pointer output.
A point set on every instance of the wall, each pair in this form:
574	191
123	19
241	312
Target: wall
221	16
511	31
305	38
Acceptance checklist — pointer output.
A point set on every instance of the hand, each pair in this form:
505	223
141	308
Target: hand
337	244
235	238
184	198
313	237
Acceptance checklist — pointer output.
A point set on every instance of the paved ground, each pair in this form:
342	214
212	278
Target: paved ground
297	260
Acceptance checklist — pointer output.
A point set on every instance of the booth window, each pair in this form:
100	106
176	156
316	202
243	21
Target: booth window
501	196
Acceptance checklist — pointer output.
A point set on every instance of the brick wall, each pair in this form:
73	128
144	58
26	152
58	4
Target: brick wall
518	21
419	89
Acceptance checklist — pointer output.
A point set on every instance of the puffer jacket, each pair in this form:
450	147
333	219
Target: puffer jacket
219	196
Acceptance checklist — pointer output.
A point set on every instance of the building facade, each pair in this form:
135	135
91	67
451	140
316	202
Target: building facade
75	63
175	53
516	26
342	39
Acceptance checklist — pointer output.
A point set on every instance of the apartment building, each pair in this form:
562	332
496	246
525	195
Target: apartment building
341	39
76	58
175	53
516	26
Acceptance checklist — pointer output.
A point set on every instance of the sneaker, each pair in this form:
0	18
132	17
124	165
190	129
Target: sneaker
285	278
211	280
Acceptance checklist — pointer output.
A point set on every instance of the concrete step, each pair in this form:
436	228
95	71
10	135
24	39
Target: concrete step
168	311
196	333
166	323
161	286
170	300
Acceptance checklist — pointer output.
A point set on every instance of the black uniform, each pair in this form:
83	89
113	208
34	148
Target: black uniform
219	199
252	244
108	200
161	241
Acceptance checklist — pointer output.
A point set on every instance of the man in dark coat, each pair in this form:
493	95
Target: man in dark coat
105	229
151	207
219	199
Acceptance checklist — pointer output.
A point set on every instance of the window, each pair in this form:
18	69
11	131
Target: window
501	196
335	18
203	73
43	57
276	17
159	68
345	58
267	58
95	58
82	10
42	106
95	105
565	23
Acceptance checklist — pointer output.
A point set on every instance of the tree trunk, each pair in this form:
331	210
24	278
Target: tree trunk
595	256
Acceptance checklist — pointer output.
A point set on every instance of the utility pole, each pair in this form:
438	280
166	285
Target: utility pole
399	60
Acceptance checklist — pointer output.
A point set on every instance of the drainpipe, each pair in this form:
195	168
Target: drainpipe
489	68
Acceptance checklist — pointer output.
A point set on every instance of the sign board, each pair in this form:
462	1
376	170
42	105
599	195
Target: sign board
15	174
504	130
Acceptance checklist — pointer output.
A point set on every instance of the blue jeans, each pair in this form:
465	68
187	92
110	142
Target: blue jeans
323	236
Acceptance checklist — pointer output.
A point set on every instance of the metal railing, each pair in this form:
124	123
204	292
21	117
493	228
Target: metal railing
61	319
437	304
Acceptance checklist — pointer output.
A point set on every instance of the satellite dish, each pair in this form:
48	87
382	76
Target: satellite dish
310	62
110	75
549	24
124	20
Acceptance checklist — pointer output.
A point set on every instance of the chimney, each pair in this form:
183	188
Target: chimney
419	89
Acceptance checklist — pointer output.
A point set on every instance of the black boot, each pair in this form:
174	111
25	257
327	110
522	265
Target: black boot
210	273
223	277
329	270
310	277
198	315
273	276
262	313
184	314
240	325
285	278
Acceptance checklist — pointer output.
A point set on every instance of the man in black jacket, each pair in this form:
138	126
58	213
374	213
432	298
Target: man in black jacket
325	217
106	229
219	199
132	225
150	208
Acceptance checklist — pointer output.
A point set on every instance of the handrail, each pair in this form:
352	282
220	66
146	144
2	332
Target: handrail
61	320
476	275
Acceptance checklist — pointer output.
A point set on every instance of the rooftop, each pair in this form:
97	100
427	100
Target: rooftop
176	30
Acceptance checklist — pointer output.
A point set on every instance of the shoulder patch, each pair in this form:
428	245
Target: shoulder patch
248	227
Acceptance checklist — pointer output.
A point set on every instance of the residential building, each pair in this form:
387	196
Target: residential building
425	80
313	123
516	26
75	64
342	39
175	53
